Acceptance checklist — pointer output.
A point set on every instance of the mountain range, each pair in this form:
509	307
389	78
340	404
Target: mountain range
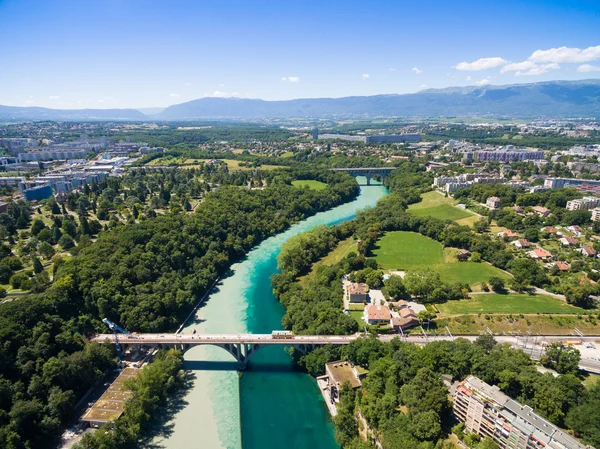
549	99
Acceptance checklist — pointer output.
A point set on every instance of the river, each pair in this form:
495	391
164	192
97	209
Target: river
269	405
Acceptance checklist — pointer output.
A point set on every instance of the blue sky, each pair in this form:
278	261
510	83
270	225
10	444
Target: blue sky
134	53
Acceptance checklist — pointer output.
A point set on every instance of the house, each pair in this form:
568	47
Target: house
539	254
405	320
376	314
521	243
575	230
541	211
493	202
518	209
358	293
587	251
508	234
341	371
463	254
402	304
549	230
562	266
568	241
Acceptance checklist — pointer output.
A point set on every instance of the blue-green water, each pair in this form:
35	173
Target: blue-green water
269	405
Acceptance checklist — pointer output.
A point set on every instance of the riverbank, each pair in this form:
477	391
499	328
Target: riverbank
271	405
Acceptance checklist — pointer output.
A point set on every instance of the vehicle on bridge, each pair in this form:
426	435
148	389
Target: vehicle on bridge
282	334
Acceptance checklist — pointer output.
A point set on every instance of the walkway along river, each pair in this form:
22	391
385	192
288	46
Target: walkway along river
270	405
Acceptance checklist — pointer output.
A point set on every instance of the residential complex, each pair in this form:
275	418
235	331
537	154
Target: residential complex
508	155
585	203
488	412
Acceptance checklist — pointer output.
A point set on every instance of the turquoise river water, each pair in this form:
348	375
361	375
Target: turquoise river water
269	405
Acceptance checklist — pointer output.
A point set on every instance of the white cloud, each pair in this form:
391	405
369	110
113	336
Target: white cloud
483	82
365	76
566	54
481	64
218	93
392	69
423	86
585	68
291	79
538	69
468	78
417	70
174	95
54	97
516	66
187	84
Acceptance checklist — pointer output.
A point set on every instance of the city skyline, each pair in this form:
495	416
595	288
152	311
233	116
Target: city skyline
143	54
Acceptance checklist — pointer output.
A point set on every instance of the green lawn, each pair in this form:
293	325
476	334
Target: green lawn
357	315
510	303
315	185
436	205
469	272
409	250
406	250
339	252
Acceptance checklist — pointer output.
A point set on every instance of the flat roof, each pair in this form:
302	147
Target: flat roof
109	407
342	371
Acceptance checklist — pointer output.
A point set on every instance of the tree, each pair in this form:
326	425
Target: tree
561	358
486	341
66	242
497	284
425	425
395	288
37	226
422	282
37	265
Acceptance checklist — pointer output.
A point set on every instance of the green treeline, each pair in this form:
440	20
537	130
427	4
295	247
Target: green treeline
405	403
144	275
149	389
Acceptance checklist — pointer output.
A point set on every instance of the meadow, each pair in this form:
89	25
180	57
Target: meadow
508	303
433	204
311	184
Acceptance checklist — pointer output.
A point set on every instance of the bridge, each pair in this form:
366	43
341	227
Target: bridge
242	346
368	172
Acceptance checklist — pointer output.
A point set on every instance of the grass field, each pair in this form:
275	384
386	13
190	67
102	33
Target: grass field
544	324
510	303
409	250
436	205
591	380
315	185
357	315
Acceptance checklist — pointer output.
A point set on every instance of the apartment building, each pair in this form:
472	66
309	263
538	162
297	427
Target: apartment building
488	412
596	214
585	203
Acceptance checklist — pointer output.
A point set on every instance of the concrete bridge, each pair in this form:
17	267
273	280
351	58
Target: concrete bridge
368	172
242	346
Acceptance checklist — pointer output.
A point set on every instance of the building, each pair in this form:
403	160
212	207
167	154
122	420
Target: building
463	254
37	193
521	243
596	214
376	314
585	203
315	134
51	155
358	293
508	234
539	254
342	371
557	183
508	155
405	319
393	138
488	412
568	241
587	251
111	404
493	202
541	211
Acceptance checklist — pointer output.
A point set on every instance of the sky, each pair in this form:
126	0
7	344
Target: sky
144	53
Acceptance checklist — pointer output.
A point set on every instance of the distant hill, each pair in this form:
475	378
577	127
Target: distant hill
552	98
36	113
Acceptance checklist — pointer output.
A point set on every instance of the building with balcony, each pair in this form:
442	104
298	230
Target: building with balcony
488	412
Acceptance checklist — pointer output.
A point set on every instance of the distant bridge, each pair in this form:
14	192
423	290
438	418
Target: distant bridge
368	172
242	346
